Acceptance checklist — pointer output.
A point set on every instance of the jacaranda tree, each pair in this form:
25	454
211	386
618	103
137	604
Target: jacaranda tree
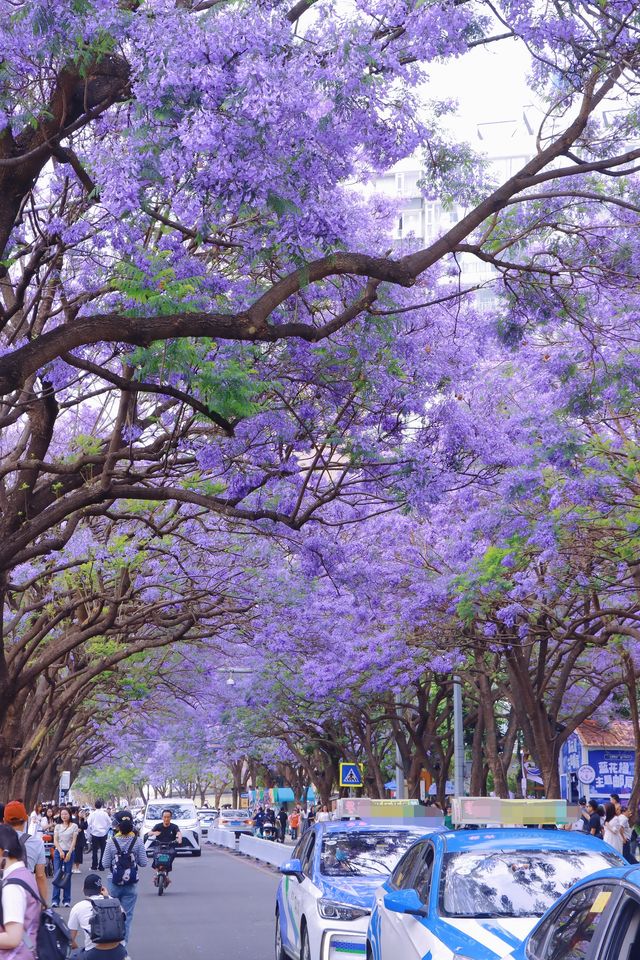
199	302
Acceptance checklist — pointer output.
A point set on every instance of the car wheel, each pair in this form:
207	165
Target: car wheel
279	949
196	853
305	949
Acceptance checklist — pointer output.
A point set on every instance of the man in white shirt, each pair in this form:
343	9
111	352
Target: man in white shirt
99	824
82	911
15	815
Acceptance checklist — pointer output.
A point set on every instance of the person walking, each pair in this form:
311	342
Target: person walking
64	842
311	816
294	823
323	816
78	857
627	832
123	856
99	824
283	817
34	854
594	810
613	828
35	819
83	911
259	821
20	909
48	822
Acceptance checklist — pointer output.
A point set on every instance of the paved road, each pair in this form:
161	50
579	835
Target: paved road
218	906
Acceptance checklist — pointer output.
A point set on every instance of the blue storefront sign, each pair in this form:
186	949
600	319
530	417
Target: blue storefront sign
613	768
573	753
614	772
571	760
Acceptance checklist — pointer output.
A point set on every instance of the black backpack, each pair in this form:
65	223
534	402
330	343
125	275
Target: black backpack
107	921
53	940
125	867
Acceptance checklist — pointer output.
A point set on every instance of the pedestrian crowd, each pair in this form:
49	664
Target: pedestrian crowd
50	844
612	823
278	826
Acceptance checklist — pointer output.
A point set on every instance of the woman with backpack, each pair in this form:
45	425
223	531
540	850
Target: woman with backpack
123	856
20	911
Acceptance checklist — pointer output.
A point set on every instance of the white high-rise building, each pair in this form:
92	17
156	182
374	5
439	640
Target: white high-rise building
507	145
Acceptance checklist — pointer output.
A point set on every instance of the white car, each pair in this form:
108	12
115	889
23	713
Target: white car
325	896
183	814
206	819
237	821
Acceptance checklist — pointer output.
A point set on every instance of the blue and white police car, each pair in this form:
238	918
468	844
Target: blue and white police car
598	919
476	894
325	896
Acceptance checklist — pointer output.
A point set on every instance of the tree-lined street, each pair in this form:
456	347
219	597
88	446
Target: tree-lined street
319	417
220	905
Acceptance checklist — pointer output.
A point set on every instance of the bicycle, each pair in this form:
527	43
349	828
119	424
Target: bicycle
163	857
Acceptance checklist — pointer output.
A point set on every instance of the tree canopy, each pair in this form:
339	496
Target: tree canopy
236	417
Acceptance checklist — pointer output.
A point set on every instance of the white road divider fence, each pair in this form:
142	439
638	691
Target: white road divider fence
266	850
223	838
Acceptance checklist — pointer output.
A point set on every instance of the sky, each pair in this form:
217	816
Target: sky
489	82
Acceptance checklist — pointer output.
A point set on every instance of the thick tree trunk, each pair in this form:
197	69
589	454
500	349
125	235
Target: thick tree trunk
631	681
74	96
478	786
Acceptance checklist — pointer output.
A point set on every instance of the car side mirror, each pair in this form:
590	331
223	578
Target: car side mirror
405	901
292	868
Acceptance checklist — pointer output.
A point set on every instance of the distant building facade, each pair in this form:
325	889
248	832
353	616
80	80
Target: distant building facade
507	144
597	761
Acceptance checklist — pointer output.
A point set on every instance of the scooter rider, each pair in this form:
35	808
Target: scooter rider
167	832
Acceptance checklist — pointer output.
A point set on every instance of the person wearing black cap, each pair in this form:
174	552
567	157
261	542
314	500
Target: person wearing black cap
82	911
123	856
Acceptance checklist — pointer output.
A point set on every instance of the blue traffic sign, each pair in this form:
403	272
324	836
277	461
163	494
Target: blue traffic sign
351	775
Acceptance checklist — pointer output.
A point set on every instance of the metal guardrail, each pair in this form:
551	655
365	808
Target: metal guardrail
266	850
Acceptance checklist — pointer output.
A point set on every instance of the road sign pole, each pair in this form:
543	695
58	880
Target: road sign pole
351	775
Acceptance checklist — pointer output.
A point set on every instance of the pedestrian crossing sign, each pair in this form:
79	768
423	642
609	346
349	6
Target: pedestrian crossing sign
351	775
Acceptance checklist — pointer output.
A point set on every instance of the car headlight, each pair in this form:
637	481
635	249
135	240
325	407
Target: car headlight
332	910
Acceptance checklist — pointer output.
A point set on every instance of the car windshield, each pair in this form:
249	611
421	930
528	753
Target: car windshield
513	883
178	811
235	814
360	854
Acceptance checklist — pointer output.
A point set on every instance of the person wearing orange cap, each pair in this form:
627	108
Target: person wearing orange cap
34	855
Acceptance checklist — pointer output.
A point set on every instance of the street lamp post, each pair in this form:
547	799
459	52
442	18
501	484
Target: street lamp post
458	738
399	775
